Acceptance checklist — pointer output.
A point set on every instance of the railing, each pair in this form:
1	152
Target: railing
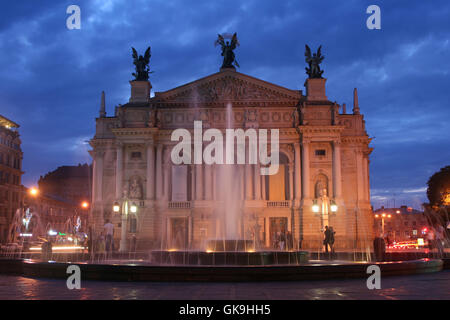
278	204
179	205
269	204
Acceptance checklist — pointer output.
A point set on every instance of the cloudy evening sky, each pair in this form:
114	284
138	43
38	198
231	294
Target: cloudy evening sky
51	77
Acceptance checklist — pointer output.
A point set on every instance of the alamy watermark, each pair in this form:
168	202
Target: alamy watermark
374	281
374	20
74	280
74	20
213	153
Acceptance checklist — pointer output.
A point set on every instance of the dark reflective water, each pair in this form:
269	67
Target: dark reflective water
425	286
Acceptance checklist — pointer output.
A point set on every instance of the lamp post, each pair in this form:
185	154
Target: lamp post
85	208
324	208
124	215
383	216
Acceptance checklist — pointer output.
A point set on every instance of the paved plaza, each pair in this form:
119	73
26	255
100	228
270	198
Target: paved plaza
424	286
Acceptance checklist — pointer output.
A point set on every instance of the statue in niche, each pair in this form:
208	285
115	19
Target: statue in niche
321	188
125	192
135	189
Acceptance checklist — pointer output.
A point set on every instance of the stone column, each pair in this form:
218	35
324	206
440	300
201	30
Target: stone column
159	172
305	170
297	173
248	182
167	175
208	182
367	171
119	170
215	170
150	171
199	182
192	182
337	178
263	187
257	183
291	181
248	177
99	177
241	168
359	174
94	176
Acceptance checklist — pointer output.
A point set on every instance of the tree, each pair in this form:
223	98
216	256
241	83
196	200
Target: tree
438	191
438	194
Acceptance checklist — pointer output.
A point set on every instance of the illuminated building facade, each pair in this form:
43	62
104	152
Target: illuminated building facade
401	224
324	160
10	173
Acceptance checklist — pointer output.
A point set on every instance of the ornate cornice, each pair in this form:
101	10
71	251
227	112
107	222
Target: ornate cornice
320	129
123	132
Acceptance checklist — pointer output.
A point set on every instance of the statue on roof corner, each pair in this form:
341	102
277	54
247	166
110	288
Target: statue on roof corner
141	64
314	61
227	49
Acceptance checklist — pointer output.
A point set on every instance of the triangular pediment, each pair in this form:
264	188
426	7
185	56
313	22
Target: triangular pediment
226	86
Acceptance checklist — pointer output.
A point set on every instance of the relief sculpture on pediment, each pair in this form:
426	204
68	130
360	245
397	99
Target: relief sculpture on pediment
225	89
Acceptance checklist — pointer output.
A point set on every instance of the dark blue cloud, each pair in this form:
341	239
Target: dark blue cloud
51	78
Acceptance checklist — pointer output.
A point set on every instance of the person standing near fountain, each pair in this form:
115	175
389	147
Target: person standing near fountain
109	231
332	233
329	239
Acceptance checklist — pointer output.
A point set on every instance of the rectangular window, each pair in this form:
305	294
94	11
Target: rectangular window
136	155
320	152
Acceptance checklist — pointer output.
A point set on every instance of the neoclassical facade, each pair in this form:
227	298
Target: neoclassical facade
324	161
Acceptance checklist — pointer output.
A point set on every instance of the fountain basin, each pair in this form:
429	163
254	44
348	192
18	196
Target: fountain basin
251	258
138	271
230	245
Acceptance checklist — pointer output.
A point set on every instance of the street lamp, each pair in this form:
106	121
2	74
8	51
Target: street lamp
315	207
33	191
327	206
383	216
116	209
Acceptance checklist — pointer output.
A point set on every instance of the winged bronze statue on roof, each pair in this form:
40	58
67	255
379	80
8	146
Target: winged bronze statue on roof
141	64
227	49
313	61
